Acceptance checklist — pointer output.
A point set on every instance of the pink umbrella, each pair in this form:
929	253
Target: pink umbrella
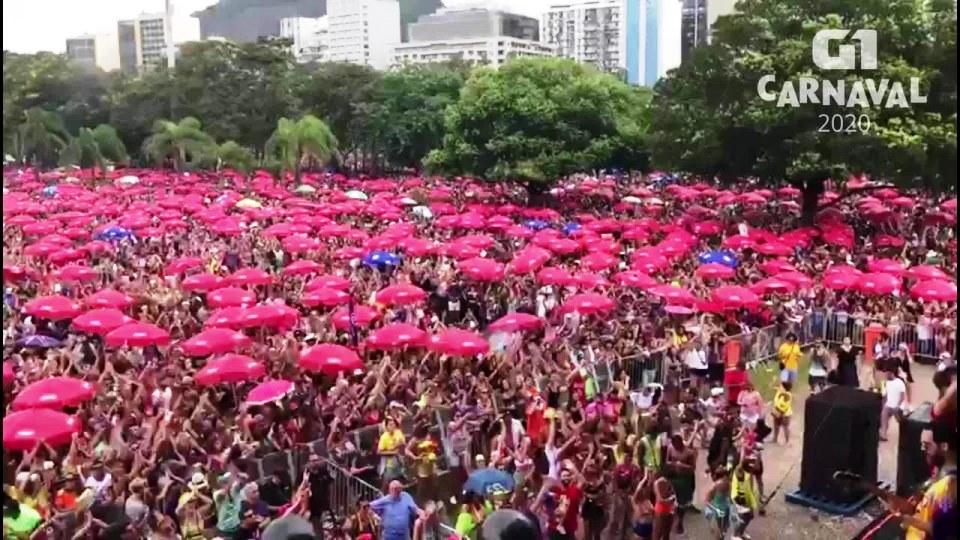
249	276
734	296
328	282
773	285
587	280
648	263
231	368
301	268
673	294
516	322
457	342
108	298
797	279
878	283
715	271
204	282
300	244
587	304
635	279
271	315
26	430
552	275
396	336
75	273
840	281
363	316
54	308
776	249
598	261
480	269
269	391
54	393
935	290
230	297
529	259
215	341
325	298
137	334
886	266
330	359
8	375
401	295
926	272
842	269
101	321
181	265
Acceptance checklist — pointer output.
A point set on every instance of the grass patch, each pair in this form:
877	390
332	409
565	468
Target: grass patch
765	378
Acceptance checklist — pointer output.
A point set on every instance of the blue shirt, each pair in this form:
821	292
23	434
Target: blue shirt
397	514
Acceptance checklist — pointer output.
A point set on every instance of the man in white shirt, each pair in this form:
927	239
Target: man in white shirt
695	358
894	398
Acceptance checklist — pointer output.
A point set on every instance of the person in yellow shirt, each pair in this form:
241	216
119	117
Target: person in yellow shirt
789	355
389	447
782	411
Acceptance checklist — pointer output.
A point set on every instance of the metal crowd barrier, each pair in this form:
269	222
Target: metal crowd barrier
936	340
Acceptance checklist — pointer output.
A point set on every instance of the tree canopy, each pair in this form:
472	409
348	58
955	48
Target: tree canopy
708	117
308	139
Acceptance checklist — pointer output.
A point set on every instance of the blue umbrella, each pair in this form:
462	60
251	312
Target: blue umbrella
571	228
381	258
487	481
720	257
536	224
38	341
114	234
50	191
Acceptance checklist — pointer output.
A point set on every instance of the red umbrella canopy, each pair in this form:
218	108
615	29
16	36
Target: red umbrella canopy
271	315
553	275
204	282
363	316
516	322
301	268
137	334
215	341
842	269
76	273
330	359
773	285
54	393
101	321
878	283
529	259
8	374
328	282
598	261
231	368
458	342
587	304
587	280
249	276
396	336
935	290
230	297
797	279
402	294
635	279
324	298
480	269
886	266
926	272
647	262
181	265
231	317
269	391
108	298
673	294
840	281
715	271
734	296
25	430
54	308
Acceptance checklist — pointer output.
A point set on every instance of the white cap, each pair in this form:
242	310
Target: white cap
716	391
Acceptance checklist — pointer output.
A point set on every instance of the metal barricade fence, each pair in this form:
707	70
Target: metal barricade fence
925	341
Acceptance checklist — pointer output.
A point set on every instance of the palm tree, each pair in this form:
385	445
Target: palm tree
233	156
94	148
309	139
39	137
184	142
110	144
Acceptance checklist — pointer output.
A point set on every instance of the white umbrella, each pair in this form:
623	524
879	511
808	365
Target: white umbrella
632	200
422	211
655	201
71	180
128	180
356	195
407	201
304	188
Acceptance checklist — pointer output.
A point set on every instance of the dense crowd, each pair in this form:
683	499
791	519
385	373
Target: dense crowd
570	361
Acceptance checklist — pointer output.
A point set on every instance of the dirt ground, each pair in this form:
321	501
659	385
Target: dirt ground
786	521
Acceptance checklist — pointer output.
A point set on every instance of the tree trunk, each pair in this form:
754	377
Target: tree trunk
811	191
296	172
181	158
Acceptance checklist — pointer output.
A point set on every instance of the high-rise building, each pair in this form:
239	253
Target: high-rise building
363	31
473	35
718	8
142	42
310	37
637	39
699	17
248	21
94	51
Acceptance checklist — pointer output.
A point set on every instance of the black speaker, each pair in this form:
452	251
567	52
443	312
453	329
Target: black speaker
840	433
912	466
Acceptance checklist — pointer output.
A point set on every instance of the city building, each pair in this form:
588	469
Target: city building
94	51
310	37
718	8
248	21
699	17
363	31
637	39
142	42
473	35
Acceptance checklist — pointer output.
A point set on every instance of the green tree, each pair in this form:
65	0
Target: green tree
231	155
39	137
541	119
183	142
137	102
110	144
307	140
708	117
94	148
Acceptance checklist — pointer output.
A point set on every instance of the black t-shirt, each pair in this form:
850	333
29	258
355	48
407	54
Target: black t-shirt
320	481
275	494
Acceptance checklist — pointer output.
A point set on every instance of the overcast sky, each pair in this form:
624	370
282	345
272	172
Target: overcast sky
43	25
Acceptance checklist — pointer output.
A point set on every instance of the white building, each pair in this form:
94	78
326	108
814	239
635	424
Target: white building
310	36
363	31
640	39
90	51
489	51
143	42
